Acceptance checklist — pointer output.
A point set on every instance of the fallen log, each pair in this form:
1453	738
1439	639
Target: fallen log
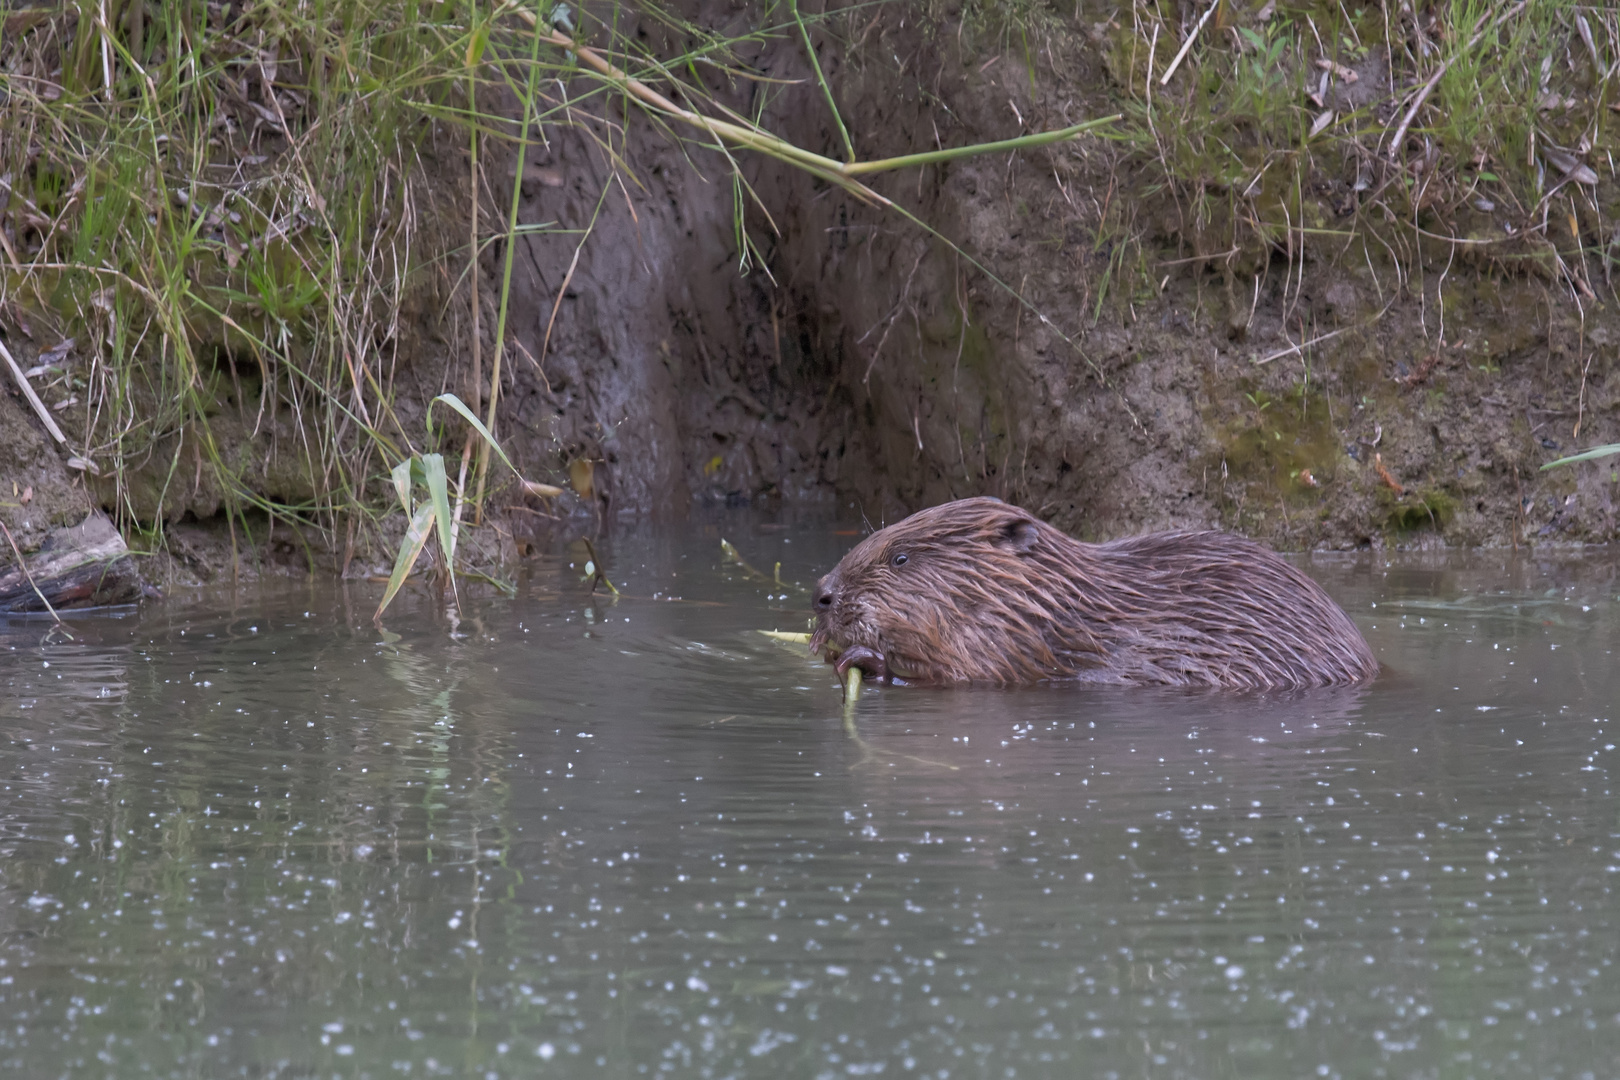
86	565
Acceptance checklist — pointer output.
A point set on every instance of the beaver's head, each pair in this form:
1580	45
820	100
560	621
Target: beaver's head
957	593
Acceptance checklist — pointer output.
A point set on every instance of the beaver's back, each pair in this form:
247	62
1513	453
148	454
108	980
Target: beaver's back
1212	608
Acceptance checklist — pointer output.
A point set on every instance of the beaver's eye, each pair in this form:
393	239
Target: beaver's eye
899	559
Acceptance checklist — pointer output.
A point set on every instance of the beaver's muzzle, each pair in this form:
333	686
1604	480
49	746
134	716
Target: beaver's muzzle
824	602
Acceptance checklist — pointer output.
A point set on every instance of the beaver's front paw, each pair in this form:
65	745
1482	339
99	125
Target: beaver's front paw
870	661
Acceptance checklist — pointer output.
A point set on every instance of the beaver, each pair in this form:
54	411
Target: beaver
979	591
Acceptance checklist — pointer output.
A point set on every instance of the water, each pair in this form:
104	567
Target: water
249	836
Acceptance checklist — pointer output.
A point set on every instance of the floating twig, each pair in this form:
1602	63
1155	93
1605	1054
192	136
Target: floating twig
729	552
593	569
791	637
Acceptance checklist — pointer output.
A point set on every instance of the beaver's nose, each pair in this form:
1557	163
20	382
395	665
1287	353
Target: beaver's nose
826	592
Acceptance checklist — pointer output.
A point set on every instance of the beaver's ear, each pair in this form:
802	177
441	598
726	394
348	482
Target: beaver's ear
1018	535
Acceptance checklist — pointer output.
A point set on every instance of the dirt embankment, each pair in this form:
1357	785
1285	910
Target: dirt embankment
1302	388
1311	392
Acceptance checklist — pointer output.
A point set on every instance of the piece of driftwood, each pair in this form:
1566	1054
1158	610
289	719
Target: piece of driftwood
86	565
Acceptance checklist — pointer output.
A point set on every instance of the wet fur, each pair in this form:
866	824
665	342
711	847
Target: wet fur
988	593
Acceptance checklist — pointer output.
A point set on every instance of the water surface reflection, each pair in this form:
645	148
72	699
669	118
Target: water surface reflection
251	837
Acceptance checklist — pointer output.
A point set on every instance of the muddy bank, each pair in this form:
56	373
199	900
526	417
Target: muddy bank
1318	387
864	360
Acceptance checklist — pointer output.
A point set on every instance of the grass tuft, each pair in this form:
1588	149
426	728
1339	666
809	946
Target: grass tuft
1374	130
237	211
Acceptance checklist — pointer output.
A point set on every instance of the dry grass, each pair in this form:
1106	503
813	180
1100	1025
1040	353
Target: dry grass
1459	130
221	221
226	208
225	211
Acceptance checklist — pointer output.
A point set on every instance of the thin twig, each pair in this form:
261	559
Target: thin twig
474	304
33	398
1439	72
841	173
506	271
1188	44
573	264
1302	346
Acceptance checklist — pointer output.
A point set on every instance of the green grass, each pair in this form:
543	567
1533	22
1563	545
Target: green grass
231	212
1235	139
222	211
233	208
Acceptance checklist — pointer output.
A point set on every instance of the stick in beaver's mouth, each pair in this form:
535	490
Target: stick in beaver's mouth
852	688
871	662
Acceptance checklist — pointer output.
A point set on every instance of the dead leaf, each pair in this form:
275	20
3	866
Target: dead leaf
265	116
1339	70
1384	475
20	22
582	476
56	352
543	176
1321	123
18	317
544	491
1570	166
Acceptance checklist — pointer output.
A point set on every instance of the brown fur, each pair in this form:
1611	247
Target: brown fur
988	593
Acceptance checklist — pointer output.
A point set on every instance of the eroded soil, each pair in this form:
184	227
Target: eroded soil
1149	378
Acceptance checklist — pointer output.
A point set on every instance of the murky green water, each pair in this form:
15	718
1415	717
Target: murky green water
247	837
